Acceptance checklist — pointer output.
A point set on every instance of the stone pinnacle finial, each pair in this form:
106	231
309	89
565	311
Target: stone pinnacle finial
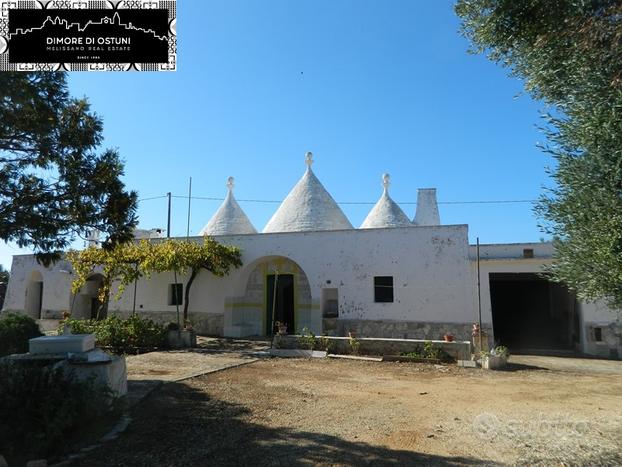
386	181
230	183
309	159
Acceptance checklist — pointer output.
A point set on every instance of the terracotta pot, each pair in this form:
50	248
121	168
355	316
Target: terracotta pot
448	337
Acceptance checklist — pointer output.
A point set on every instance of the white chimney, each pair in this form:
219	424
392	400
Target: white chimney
427	207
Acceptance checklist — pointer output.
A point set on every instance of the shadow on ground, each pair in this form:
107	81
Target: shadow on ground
521	367
179	425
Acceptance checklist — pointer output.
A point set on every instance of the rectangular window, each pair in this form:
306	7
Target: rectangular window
527	252
383	289
598	334
175	294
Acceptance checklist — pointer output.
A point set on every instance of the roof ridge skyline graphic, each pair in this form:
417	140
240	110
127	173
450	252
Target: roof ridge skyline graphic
58	20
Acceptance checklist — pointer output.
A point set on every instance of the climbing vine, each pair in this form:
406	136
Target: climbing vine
128	262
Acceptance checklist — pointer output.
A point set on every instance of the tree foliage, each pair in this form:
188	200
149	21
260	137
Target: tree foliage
53	183
128	262
569	55
118	264
185	257
15	332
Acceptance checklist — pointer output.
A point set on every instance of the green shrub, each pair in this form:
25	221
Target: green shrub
41	407
15	330
324	343
122	335
429	351
307	339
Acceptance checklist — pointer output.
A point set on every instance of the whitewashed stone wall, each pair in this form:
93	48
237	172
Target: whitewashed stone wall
430	266
433	268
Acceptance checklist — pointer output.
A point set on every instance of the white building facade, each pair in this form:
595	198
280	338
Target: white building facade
392	277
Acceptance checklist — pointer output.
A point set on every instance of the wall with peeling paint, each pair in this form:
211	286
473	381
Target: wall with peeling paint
430	266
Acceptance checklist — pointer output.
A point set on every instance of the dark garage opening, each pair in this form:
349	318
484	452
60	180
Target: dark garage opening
532	313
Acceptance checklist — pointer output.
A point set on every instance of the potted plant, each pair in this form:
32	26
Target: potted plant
448	337
496	359
282	328
181	338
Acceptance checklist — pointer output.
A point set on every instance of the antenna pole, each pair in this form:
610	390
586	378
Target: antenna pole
189	200
168	218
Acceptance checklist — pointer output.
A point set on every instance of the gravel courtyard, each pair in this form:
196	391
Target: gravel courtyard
336	412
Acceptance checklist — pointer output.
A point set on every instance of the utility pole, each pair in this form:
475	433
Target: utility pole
479	299
168	235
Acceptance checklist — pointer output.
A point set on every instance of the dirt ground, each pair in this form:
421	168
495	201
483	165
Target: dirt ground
335	412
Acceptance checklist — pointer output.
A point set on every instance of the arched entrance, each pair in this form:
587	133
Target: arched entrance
34	295
86	303
273	288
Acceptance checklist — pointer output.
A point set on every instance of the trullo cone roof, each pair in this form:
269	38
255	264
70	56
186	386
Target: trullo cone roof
386	212
308	207
230	219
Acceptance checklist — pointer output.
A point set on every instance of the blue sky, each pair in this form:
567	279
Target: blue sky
368	86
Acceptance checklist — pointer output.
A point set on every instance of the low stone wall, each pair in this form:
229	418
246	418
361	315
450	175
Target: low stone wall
207	324
419	330
460	350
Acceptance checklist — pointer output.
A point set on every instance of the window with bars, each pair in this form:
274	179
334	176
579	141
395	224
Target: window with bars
383	289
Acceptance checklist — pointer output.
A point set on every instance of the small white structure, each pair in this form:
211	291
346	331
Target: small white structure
77	356
140	234
63	344
390	278
427	208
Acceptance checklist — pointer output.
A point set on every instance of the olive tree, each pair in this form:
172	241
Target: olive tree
568	53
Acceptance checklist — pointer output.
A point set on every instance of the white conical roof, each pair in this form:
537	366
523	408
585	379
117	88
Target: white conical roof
230	219
308	207
386	212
